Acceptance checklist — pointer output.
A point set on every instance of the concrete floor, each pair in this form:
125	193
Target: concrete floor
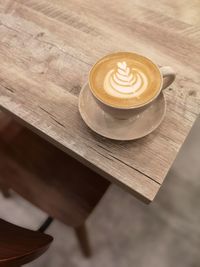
125	232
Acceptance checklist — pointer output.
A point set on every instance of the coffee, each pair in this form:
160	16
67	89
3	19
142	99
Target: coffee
125	80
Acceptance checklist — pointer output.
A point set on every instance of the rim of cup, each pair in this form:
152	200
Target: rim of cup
134	106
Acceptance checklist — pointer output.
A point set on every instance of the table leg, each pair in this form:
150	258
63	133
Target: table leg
83	239
45	224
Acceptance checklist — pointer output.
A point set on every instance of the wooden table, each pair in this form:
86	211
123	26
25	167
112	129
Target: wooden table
46	50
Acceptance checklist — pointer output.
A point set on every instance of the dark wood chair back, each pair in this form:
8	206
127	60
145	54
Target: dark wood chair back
19	246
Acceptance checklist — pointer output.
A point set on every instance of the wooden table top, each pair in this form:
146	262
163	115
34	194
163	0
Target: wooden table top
46	50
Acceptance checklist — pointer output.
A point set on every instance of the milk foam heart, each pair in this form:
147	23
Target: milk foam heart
125	82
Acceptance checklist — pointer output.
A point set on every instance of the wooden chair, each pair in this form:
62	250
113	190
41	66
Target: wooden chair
19	246
48	178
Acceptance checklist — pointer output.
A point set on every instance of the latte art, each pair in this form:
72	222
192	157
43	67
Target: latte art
125	82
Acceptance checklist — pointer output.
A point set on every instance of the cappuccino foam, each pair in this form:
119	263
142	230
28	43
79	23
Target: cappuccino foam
125	80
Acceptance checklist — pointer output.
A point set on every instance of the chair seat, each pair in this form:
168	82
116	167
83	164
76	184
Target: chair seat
46	176
19	246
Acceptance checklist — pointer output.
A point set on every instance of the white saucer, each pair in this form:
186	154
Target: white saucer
124	130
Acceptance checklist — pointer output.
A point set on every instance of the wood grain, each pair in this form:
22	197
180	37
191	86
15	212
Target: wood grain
46	51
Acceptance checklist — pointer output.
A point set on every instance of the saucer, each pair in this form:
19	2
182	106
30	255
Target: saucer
123	130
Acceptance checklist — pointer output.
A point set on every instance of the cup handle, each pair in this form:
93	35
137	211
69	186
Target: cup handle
168	76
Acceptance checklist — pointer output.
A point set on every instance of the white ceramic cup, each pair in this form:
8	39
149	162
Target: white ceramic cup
167	77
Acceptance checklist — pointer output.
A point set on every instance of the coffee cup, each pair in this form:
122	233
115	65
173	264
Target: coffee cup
124	84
